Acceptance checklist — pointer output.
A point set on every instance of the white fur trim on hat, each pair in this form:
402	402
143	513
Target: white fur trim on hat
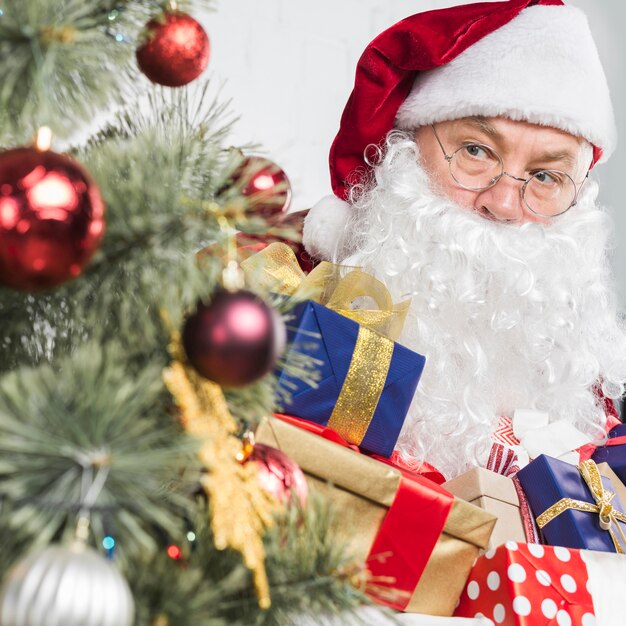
324	227
542	67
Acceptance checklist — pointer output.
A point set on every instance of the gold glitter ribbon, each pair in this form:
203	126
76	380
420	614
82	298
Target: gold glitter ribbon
363	386
609	516
276	269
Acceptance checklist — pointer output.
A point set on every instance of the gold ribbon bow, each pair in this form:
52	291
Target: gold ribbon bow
276	269
609	516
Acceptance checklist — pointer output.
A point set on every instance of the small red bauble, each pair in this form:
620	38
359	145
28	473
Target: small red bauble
51	218
235	339
279	475
177	50
265	185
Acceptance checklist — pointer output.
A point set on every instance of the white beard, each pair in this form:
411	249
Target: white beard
508	316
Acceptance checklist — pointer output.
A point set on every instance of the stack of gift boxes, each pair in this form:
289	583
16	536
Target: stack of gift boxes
459	548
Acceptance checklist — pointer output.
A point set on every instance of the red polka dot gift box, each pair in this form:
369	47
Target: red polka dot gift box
520	584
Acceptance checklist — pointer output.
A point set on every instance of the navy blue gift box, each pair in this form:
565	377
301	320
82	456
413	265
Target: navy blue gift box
614	454
545	481
323	334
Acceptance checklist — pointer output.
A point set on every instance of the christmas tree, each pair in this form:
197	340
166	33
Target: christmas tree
129	489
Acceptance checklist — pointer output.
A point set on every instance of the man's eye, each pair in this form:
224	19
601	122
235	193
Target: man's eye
548	178
477	152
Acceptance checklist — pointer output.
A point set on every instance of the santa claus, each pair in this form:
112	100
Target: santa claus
461	179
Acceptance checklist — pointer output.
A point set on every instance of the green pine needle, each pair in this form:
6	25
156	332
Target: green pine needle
211	588
59	423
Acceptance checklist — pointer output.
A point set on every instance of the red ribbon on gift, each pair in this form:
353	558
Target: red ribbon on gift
586	452
409	531
616	441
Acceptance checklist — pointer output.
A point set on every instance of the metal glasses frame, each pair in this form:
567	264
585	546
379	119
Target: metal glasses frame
495	179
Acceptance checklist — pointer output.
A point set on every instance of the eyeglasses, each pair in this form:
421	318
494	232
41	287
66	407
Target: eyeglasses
477	167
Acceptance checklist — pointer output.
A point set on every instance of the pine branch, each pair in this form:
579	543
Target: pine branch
310	572
60	424
60	56
306	567
153	171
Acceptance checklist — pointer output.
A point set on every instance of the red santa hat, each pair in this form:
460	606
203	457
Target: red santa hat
531	60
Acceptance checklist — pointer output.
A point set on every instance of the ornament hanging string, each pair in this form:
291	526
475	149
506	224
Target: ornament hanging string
91	488
232	275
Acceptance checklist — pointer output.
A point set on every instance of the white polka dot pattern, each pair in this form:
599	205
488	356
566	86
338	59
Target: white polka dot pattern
516	573
521	605
493	580
563	618
549	608
563	554
543	578
536	550
531	583
588	620
473	590
499	613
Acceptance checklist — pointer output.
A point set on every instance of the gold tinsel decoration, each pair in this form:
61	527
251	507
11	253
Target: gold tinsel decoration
240	511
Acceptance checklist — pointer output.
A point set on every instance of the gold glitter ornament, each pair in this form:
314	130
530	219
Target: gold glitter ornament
240	511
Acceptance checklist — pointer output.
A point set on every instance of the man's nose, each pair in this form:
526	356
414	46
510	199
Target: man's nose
504	200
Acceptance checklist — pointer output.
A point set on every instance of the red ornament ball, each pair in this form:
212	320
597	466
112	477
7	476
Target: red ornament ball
235	339
279	475
177	50
51	219
265	185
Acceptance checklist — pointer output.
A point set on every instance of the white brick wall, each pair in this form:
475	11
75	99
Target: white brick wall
289	67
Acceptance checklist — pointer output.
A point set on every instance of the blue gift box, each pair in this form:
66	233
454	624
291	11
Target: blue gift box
322	334
614	455
545	481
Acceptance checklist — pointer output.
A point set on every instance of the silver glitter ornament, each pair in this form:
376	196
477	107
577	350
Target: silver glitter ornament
65	586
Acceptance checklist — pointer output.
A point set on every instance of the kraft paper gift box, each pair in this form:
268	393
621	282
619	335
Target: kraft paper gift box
416	540
614	451
493	493
367	381
574	506
618	486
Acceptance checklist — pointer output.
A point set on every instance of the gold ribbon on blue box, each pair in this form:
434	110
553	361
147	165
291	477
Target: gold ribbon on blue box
574	506
608	515
367	381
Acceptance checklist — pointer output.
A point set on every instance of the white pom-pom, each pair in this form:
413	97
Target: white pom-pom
324	228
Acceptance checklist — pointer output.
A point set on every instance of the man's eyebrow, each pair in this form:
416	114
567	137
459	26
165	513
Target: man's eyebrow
564	156
481	123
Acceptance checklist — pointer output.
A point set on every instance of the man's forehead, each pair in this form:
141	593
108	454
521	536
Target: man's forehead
499	126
